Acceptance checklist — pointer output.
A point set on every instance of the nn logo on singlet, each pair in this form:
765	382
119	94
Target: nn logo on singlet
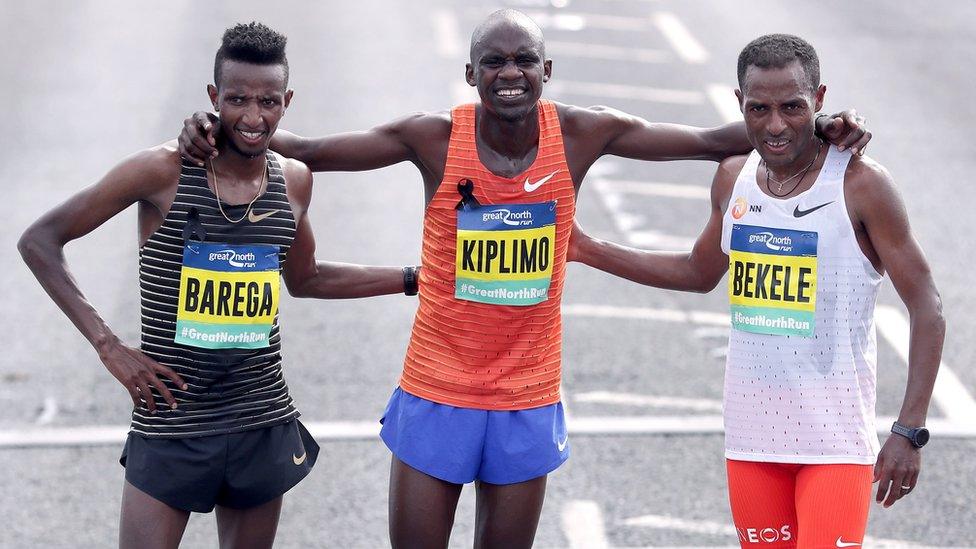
238	260
508	217
742	206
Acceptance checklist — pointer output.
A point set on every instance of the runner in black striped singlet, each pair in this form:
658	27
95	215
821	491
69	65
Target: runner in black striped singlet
213	423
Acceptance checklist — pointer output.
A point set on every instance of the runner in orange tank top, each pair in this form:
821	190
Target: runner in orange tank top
479	395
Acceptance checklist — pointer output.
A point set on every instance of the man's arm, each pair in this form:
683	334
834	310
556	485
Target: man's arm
381	146
630	136
882	215
697	271
306	277
142	177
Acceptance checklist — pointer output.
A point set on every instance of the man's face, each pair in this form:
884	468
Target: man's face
779	109
251	99
508	68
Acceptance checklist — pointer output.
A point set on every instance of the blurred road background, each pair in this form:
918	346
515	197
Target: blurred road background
87	83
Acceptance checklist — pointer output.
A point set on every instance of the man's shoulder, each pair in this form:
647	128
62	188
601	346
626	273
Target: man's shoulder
154	168
576	118
298	177
865	178
729	168
424	125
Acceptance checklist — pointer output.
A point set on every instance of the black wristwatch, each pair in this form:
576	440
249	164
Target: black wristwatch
918	436
411	275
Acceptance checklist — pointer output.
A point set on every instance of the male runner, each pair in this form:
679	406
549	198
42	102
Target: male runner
213	245
478	399
807	232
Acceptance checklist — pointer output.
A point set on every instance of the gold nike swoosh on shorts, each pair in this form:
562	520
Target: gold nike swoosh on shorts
299	459
256	217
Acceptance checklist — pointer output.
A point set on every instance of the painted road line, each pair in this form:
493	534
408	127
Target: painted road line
647	188
326	431
652	401
664	522
576	21
950	394
607	53
48	412
687	47
448	39
582	522
724	100
657	240
621	91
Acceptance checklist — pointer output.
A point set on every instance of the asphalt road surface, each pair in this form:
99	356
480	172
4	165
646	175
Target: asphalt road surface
87	83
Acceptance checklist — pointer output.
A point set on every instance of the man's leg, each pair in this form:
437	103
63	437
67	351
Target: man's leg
252	528
832	504
761	496
507	515
148	523
421	508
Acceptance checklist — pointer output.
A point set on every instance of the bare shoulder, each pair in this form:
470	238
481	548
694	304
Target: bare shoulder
867	181
298	178
150	171
588	119
423	125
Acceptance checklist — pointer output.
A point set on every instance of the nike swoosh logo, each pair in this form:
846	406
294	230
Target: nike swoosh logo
845	543
256	217
797	212
529	187
299	459
561	445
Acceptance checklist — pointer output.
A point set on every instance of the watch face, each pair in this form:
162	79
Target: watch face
921	437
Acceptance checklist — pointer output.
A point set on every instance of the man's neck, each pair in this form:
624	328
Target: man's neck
803	161
510	138
237	167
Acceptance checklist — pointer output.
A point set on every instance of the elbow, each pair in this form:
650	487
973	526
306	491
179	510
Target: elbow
30	246
704	286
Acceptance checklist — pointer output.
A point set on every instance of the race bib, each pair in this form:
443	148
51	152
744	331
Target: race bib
228	295
773	280
505	253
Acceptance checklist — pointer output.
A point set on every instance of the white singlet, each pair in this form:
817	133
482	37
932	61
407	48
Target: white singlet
801	371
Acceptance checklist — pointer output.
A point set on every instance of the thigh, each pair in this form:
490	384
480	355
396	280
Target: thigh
832	504
421	508
251	528
761	496
507	515
147	523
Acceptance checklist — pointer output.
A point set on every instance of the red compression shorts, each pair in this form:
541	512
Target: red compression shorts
781	505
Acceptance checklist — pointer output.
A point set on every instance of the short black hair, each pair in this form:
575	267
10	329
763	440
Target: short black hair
775	51
251	43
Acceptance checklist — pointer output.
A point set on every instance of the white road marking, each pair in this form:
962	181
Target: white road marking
657	240
647	188
574	21
664	522
653	401
724	101
325	431
688	48
610	53
646	313
950	394
582	522
622	91
450	45
48	412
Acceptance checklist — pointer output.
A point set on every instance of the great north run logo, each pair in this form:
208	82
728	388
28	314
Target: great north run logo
240	261
775	243
508	217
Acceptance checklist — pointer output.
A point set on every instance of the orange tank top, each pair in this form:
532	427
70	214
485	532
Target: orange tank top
488	332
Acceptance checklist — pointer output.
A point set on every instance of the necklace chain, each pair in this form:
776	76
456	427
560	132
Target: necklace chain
264	181
802	173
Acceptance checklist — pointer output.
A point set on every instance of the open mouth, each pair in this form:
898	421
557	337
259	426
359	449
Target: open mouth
776	145
510	93
251	136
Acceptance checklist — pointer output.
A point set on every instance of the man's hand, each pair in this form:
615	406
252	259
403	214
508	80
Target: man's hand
197	140
897	469
136	372
844	129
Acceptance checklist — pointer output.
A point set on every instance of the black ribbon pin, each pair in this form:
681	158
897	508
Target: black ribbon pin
193	230
468	201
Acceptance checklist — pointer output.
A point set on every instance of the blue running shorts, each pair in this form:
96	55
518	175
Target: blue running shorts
460	445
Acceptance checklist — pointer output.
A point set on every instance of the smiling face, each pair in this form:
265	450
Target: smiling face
779	106
250	99
508	67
